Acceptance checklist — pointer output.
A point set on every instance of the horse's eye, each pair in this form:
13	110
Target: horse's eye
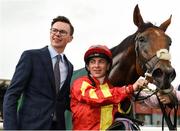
141	39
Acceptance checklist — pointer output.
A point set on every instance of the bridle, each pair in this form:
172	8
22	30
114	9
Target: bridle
148	68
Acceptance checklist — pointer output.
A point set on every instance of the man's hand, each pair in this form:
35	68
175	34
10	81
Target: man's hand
164	98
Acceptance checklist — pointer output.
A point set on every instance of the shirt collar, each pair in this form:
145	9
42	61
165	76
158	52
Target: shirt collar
53	53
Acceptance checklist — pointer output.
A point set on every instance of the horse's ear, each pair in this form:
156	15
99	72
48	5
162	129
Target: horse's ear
165	24
138	20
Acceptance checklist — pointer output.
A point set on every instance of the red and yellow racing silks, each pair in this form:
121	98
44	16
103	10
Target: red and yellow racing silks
93	108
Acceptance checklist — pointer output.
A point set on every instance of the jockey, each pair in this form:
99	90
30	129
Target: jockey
94	101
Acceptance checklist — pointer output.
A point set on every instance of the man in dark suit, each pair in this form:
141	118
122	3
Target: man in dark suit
42	106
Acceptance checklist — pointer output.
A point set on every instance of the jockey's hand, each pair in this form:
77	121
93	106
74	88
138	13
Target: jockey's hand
164	98
139	84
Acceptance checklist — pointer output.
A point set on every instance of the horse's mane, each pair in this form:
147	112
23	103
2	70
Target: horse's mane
130	39
123	45
143	27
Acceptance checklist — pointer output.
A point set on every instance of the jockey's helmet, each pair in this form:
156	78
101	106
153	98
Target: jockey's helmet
98	51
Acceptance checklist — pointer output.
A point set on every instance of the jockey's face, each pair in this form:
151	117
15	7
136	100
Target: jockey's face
98	67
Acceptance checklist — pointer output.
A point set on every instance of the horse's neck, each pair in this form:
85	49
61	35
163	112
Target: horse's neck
124	67
127	64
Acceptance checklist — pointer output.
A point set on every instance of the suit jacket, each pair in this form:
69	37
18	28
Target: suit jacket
34	78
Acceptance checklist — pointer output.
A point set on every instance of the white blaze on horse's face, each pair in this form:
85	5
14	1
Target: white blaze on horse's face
157	32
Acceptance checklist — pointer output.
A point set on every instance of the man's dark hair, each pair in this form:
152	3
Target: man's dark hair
65	20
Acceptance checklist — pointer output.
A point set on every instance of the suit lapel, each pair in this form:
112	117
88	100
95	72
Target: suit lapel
46	59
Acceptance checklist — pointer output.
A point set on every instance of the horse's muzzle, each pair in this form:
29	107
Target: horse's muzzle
163	77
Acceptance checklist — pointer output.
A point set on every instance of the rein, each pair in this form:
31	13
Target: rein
172	125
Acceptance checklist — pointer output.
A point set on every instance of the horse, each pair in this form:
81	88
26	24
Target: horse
144	53
136	55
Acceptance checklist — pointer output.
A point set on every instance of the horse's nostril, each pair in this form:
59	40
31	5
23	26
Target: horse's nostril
169	73
157	73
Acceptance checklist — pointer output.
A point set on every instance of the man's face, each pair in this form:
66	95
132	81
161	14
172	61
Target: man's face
60	35
98	67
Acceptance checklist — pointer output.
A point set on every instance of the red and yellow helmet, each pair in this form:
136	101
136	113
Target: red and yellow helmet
98	51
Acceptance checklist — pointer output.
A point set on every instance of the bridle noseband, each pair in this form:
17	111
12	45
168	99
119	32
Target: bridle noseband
162	54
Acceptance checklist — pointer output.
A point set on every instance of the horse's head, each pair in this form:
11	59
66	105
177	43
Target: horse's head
152	51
